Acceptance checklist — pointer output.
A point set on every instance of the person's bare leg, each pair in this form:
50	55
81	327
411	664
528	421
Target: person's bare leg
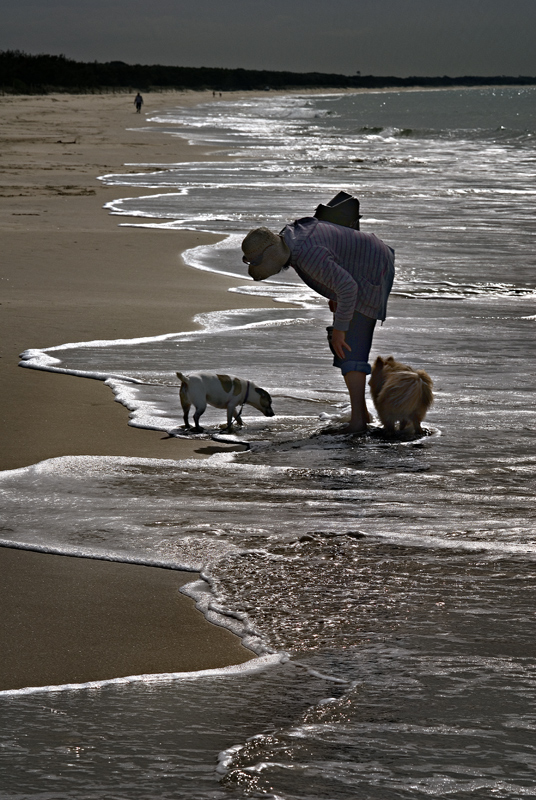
356	381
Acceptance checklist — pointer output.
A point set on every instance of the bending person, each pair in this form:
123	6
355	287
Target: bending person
353	270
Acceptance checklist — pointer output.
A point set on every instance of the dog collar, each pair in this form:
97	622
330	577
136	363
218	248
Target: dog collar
244	401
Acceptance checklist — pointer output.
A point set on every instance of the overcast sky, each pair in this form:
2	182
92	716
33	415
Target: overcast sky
379	37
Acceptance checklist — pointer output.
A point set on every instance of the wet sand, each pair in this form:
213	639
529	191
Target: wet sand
74	620
69	273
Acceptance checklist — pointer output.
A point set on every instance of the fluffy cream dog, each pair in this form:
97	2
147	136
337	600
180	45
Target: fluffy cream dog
220	391
400	393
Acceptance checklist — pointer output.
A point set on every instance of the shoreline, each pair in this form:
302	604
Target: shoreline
70	620
72	274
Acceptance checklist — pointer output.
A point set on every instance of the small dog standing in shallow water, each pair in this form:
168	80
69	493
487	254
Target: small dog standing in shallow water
221	391
400	393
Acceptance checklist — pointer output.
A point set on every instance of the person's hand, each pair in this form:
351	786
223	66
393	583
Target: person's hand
339	343
332	305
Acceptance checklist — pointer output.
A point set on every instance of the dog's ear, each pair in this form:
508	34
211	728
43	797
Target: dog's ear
265	398
378	364
389	360
182	377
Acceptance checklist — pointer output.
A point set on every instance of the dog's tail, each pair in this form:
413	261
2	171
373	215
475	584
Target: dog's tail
407	391
427	386
182	378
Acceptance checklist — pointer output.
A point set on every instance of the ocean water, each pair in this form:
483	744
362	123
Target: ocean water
385	586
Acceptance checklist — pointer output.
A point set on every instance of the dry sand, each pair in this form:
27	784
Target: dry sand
69	273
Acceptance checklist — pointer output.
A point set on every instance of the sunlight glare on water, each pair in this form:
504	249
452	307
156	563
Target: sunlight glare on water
397	574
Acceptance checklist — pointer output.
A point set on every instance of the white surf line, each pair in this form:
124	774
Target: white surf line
235	670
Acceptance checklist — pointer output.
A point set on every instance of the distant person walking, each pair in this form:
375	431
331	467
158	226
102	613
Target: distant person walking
138	102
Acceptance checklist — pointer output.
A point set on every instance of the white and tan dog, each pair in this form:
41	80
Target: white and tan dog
400	393
221	391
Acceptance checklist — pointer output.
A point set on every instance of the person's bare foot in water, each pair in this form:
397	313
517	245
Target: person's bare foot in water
353	427
358	425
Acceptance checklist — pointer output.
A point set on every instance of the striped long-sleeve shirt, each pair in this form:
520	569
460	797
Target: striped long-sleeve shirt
356	269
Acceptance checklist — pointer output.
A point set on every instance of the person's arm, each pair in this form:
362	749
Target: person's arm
329	278
339	343
338	338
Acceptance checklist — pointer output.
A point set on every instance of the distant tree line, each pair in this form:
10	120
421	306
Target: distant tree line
21	73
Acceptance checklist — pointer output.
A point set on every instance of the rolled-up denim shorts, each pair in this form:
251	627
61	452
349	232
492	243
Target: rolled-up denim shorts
359	337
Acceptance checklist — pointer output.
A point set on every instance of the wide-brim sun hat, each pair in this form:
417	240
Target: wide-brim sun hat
265	253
